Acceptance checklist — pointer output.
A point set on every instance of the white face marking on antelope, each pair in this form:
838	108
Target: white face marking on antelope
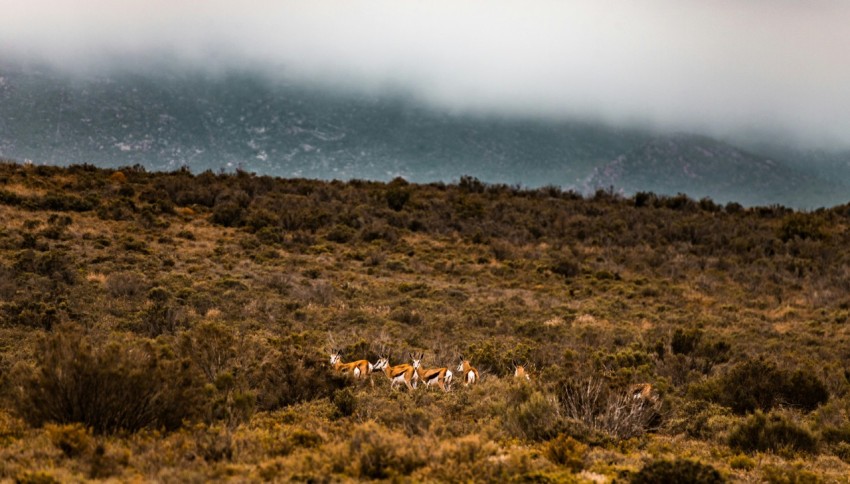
382	363
417	361
460	367
335	357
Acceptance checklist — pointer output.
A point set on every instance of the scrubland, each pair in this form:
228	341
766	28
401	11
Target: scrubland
175	327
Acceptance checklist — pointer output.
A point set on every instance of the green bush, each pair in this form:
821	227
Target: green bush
676	472
566	268
789	474
534	417
802	226
685	342
340	234
228	214
772	432
35	313
760	385
345	403
109	387
125	284
397	197
288	375
568	452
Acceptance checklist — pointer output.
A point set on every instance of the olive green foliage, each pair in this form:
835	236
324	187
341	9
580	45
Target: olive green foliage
175	327
108	387
677	471
775	432
759	384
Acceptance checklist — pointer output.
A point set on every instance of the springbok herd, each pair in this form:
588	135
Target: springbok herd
412	374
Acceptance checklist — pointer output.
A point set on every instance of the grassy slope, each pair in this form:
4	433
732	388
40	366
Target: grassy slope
581	288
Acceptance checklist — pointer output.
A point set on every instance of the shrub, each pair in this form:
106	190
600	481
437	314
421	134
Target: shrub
377	453
397	197
758	384
228	214
742	462
534	417
773	432
566	268
163	318
260	218
789	474
842	451
568	452
677	471
685	342
120	385
125	284
288	375
35	313
340	234
407	316
73	440
345	403
802	226
55	264
599	408
805	390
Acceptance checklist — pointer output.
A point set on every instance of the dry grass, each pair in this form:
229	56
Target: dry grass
443	288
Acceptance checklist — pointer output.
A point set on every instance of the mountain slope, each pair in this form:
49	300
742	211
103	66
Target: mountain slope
205	122
168	119
701	166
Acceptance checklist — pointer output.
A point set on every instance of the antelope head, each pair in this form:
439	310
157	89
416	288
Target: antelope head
417	360
383	362
520	371
336	357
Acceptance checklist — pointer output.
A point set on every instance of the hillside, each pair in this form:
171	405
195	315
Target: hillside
169	118
171	326
703	167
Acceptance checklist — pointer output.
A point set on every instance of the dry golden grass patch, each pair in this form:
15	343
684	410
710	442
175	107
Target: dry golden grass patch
588	319
24	190
554	322
96	277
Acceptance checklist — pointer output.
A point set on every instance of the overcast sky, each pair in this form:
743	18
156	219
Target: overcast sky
714	66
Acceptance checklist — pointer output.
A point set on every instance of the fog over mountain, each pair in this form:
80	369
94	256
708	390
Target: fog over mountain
516	92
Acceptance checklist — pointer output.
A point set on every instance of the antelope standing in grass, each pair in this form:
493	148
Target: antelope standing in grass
397	374
520	372
358	369
468	372
442	377
642	391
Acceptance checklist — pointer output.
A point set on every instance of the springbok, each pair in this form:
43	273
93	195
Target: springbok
397	374
442	377
358	369
469	373
642	391
520	372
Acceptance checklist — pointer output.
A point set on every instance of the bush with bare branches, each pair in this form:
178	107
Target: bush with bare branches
600	408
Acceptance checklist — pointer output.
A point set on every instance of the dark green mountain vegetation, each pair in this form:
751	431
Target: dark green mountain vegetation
167	118
172	326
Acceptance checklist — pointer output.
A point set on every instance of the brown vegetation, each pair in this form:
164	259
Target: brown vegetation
171	326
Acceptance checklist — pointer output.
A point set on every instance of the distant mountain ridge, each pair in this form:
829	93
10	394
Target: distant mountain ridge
704	167
171	119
